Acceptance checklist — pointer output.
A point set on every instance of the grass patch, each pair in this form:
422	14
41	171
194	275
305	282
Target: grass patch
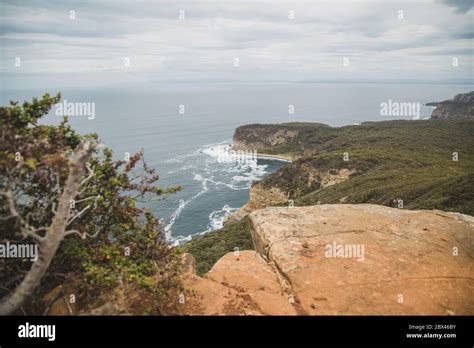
408	160
210	247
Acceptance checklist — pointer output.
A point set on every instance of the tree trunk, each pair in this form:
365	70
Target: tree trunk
54	235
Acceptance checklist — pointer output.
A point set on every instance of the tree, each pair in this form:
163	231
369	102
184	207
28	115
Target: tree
64	192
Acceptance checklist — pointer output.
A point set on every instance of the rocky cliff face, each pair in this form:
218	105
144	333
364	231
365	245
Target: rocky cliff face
286	140
344	259
462	106
262	195
260	137
375	162
259	198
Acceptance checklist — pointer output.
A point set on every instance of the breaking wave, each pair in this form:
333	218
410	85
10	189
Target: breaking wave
212	176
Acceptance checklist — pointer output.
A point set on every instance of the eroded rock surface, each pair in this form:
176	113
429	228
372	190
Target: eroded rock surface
259	198
240	283
345	259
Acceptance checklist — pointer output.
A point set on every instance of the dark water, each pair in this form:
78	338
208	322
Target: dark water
184	147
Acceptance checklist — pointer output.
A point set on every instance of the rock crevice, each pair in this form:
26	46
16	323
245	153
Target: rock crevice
427	271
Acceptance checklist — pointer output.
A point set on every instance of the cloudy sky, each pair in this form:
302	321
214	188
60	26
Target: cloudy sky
273	40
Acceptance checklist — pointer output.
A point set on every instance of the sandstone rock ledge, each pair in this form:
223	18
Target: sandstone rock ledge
413	262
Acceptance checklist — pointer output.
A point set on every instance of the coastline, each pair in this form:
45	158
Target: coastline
266	156
281	158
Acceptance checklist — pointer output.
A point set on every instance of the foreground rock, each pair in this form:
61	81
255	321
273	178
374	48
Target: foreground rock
240	283
462	106
345	259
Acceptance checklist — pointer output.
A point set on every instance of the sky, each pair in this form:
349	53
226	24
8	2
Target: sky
93	43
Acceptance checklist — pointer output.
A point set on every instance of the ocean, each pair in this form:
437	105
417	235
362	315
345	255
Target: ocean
184	128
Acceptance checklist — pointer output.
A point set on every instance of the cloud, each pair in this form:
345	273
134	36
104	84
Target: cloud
270	45
462	6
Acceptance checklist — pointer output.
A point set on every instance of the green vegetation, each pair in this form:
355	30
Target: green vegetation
99	242
259	136
212	246
407	160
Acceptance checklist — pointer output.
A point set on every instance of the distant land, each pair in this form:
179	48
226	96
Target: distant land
461	106
378	184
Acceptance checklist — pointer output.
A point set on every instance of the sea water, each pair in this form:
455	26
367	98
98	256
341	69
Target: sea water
184	128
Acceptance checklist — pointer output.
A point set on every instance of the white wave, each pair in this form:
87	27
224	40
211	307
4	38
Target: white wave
179	159
173	218
245	168
212	148
220	150
216	218
217	150
181	206
225	155
245	178
216	221
220	183
213	174
185	167
251	173
180	240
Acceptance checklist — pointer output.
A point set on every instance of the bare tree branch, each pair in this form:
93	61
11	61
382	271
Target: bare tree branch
83	235
53	208
56	231
77	215
86	199
25	229
11	203
89	176
34	235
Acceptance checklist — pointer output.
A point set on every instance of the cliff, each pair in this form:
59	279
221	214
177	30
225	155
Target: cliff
263	195
343	259
275	139
375	228
461	106
417	164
